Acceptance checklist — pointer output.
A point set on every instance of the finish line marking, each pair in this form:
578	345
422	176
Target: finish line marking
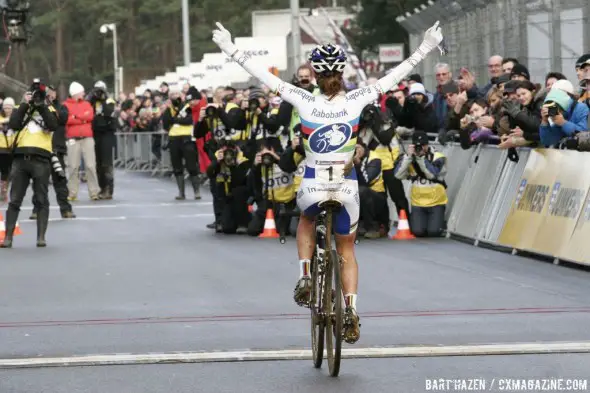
188	203
303	354
122	218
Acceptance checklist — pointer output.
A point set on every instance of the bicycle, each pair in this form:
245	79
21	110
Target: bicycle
326	296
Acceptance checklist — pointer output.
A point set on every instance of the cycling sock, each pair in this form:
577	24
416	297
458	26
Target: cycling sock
304	267
350	300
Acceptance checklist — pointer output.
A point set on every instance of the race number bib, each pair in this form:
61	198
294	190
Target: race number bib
330	175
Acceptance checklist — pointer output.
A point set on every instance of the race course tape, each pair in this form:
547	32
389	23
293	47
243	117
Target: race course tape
303	354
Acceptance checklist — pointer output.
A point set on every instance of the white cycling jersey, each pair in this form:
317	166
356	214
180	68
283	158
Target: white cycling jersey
329	129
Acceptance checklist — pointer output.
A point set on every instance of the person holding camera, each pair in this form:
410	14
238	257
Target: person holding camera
425	168
34	122
416	111
373	198
263	125
233	118
58	176
272	188
104	126
229	172
561	116
6	140
178	121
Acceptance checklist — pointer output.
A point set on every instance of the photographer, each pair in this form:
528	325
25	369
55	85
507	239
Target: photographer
417	111
426	169
104	126
34	122
6	140
373	199
178	121
378	133
561	117
58	176
233	118
263	125
229	171
272	188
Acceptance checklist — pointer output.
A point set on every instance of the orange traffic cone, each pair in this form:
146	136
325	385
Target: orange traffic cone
270	229
17	230
403	228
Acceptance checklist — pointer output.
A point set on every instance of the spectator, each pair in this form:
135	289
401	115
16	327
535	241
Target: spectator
520	73
80	142
426	169
417	111
374	211
454	100
6	141
524	116
500	81
443	75
414	78
164	90
494	71
553	77
473	131
582	64
466	82
508	64
562	117
583	72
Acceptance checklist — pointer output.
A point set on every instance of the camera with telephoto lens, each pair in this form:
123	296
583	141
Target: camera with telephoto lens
267	159
418	149
38	93
210	111
253	104
230	152
56	165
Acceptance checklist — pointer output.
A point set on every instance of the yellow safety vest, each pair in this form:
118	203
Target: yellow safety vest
426	193
178	129
387	157
6	136
252	127
376	184
236	135
280	185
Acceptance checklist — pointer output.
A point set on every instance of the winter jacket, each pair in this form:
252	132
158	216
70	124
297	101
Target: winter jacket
576	117
414	115
80	116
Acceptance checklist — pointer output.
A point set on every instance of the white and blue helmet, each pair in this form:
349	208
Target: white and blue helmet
327	58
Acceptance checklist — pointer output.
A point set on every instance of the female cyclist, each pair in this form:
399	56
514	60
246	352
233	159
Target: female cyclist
329	125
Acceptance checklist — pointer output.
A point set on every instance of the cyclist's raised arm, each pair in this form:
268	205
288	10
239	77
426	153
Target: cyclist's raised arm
287	91
432	38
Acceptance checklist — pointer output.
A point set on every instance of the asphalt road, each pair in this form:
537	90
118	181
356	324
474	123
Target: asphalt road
142	274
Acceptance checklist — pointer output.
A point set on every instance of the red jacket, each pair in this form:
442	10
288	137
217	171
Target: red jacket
80	115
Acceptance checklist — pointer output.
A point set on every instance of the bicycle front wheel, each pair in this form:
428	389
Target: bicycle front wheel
317	317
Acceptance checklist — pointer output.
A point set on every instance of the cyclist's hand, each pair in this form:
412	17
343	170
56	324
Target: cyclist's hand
411	150
222	38
433	36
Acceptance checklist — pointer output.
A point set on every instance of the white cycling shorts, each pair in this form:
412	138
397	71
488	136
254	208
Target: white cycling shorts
312	193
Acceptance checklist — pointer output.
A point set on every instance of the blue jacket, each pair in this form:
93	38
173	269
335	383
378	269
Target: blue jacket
576	120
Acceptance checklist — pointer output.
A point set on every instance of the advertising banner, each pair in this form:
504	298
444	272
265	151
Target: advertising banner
270	51
530	204
391	53
197	75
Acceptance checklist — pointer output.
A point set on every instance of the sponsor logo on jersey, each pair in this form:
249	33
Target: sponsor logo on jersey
329	115
307	96
363	91
329	138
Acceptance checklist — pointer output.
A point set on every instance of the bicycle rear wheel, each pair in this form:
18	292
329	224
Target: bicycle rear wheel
333	302
318	323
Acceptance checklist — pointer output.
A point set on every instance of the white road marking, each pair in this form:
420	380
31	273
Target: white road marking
187	203
303	354
121	218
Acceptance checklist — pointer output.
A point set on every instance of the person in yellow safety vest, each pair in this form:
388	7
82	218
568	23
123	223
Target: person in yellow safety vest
288	115
263	126
6	140
178	121
378	133
373	199
229	171
272	188
34	121
426	169
293	161
234	120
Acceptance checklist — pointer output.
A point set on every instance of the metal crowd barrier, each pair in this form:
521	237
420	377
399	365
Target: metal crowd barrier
142	152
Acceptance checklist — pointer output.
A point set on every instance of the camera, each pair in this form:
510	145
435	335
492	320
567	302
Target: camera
267	159
210	111
418	149
552	110
471	119
230	156
253	104
56	165
38	93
